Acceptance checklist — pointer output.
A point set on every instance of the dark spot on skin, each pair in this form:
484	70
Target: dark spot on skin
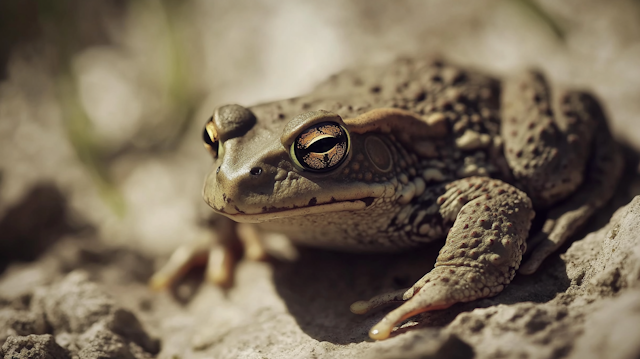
375	89
238	209
218	170
256	171
313	201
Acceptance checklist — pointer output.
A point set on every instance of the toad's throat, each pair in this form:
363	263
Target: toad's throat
349	205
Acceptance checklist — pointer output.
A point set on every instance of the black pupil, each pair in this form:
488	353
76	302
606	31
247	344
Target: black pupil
206	138
205	135
323	145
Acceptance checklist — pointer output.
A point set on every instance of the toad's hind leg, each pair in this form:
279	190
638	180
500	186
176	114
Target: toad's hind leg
603	173
561	153
481	254
547	136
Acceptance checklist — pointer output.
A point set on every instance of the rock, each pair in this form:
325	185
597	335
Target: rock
86	320
20	322
612	331
33	347
523	330
100	342
617	263
74	304
425	345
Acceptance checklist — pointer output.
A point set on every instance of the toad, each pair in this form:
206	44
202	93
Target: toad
389	158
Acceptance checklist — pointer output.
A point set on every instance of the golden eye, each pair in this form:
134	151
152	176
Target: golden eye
321	147
210	138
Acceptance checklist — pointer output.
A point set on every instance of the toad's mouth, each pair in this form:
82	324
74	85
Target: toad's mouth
274	214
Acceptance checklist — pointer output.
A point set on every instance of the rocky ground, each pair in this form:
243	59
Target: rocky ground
101	166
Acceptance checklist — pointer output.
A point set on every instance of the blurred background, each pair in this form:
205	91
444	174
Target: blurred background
102	102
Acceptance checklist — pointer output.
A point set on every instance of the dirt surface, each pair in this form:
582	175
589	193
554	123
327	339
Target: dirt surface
101	108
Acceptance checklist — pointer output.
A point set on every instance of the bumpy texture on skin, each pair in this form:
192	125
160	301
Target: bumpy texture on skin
554	143
548	136
482	251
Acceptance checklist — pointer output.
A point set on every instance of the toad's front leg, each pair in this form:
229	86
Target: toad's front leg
220	253
484	247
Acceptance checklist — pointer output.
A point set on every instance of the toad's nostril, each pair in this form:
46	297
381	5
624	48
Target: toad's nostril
256	171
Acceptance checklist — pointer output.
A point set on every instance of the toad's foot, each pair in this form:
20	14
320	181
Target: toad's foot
482	252
439	289
220	254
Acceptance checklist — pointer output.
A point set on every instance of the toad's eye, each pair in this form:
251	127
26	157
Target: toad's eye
321	147
210	138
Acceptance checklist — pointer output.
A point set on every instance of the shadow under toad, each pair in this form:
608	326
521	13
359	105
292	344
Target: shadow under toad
319	287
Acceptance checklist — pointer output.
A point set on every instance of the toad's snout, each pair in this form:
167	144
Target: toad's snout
230	190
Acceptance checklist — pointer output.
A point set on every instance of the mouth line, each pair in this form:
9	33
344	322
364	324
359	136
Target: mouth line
347	205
